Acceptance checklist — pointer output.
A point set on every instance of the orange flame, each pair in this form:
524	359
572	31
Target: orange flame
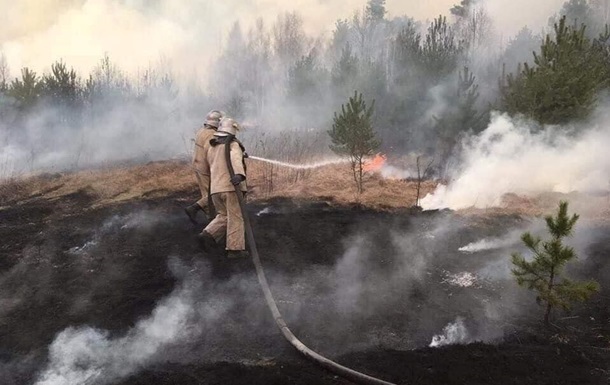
376	163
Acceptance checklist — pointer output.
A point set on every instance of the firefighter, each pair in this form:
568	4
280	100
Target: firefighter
229	220
202	140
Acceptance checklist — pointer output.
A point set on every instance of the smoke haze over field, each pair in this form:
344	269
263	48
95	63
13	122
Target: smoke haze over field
84	355
170	62
136	33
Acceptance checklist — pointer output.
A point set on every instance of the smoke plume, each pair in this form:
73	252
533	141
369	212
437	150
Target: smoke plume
83	355
453	333
509	156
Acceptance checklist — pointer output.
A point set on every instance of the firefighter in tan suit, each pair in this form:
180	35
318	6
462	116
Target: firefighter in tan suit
229	220
202	143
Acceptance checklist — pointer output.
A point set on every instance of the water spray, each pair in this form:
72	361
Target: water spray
309	166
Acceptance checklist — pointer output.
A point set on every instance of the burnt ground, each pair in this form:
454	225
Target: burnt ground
123	295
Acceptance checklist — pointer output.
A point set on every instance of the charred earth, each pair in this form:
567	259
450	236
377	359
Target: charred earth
122	294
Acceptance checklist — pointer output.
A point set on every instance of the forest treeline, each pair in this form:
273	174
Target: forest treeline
432	82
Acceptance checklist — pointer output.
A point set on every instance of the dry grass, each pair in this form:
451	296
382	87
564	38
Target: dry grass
118	184
336	182
108	185
591	207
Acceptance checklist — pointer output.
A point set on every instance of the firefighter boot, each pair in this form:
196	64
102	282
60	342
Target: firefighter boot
207	241
191	211
238	254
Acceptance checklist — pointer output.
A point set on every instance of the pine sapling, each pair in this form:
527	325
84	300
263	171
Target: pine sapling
544	273
352	135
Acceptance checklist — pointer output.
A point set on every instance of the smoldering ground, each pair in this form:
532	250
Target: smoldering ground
100	295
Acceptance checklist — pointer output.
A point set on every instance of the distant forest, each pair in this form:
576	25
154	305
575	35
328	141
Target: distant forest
432	83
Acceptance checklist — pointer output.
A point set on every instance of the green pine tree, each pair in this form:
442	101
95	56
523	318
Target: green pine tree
304	79
375	10
544	274
352	135
26	91
440	51
63	90
461	117
345	72
564	82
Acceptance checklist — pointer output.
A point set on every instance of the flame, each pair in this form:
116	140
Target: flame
376	163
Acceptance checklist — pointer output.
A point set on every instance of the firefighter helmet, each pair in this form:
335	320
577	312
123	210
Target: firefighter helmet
213	118
227	127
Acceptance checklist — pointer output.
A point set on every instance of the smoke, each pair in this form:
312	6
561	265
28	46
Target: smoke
192	58
509	17
84	355
392	285
453	333
511	238
486	244
393	172
417	272
77	30
511	157
349	272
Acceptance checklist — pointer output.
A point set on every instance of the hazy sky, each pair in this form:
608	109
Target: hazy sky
136	33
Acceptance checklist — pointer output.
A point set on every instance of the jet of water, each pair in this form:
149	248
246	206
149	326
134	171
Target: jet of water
308	166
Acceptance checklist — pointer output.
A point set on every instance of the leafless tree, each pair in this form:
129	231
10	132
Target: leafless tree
4	72
258	64
289	39
421	176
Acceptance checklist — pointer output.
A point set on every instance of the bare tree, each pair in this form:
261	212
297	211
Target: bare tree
4	72
421	176
289	39
474	26
258	66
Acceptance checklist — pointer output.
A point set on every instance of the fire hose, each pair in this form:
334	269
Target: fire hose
350	374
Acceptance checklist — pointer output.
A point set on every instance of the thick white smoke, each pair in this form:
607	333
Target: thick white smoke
511	238
508	157
453	333
88	356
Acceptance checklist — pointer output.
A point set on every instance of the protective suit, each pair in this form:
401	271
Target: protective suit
202	143
229	221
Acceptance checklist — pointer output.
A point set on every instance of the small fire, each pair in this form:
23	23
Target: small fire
376	163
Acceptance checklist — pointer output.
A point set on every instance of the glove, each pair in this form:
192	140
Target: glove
237	179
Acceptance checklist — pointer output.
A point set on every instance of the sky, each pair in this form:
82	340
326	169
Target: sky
140	33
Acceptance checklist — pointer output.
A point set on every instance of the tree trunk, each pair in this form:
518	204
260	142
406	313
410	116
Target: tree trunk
354	165
549	306
359	176
547	315
418	184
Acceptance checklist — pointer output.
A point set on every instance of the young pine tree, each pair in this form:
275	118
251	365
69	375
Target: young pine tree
353	136
564	82
544	273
